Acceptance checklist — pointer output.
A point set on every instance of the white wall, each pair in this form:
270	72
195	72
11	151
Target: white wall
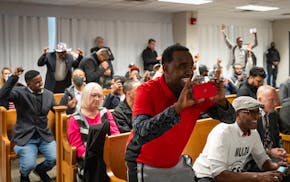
281	29
206	38
81	12
150	23
179	32
211	40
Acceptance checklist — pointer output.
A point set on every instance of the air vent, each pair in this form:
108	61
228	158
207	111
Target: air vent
247	11
136	0
285	14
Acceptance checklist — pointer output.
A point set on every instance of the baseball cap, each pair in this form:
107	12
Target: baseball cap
134	68
246	102
131	65
61	47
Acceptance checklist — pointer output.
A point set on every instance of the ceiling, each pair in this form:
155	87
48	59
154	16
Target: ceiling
217	8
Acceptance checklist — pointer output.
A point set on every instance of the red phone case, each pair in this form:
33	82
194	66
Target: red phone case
204	90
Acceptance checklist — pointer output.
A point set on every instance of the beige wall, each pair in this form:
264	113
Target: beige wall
183	32
281	29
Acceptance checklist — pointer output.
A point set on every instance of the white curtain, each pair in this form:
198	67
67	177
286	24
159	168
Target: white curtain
22	40
213	46
127	39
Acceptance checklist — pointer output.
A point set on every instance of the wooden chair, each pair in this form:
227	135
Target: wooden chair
59	110
58	97
68	154
114	154
198	137
8	120
106	91
231	97
277	108
286	144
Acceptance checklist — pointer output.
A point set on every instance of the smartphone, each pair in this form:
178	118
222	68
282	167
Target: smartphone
282	169
204	90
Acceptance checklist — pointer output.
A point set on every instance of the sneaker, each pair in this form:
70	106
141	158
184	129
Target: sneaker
42	174
24	178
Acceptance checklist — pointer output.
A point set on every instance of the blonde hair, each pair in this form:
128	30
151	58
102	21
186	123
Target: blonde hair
87	91
2	80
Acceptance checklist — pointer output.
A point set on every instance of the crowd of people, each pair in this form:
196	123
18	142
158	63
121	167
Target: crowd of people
158	108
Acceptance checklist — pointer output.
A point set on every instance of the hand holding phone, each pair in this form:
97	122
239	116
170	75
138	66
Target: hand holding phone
253	30
282	169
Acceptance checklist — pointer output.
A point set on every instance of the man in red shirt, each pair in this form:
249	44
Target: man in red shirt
164	115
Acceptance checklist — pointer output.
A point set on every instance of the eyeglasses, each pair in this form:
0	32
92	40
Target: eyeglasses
253	113
99	96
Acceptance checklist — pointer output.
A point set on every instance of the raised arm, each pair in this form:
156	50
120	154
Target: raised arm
79	58
227	40
256	40
43	59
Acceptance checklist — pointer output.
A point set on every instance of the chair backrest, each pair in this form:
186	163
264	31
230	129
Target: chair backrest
57	97
10	117
231	97
8	120
198	137
106	91
114	154
286	144
67	154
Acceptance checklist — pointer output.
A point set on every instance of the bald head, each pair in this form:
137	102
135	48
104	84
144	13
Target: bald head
268	96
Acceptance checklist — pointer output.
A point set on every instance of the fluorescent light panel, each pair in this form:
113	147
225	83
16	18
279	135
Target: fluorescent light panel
257	8
194	2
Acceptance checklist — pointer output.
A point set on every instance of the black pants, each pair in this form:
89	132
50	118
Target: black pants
272	71
60	86
132	171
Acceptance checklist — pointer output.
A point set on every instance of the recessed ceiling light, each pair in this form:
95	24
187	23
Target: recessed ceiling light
257	8
194	2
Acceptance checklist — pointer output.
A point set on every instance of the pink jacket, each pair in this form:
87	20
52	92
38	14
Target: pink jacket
74	136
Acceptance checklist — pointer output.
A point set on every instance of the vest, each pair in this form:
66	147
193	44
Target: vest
84	125
84	131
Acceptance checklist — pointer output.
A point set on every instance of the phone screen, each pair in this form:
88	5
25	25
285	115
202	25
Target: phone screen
282	169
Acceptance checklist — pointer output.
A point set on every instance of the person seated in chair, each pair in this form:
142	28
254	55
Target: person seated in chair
31	133
117	95
228	146
72	94
268	127
90	113
123	112
252	83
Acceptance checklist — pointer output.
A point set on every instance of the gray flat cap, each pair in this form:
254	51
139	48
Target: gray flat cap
246	102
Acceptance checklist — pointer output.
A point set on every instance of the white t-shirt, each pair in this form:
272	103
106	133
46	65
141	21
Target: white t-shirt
240	55
227	149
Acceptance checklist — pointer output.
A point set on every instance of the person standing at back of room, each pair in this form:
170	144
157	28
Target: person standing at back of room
150	56
59	65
